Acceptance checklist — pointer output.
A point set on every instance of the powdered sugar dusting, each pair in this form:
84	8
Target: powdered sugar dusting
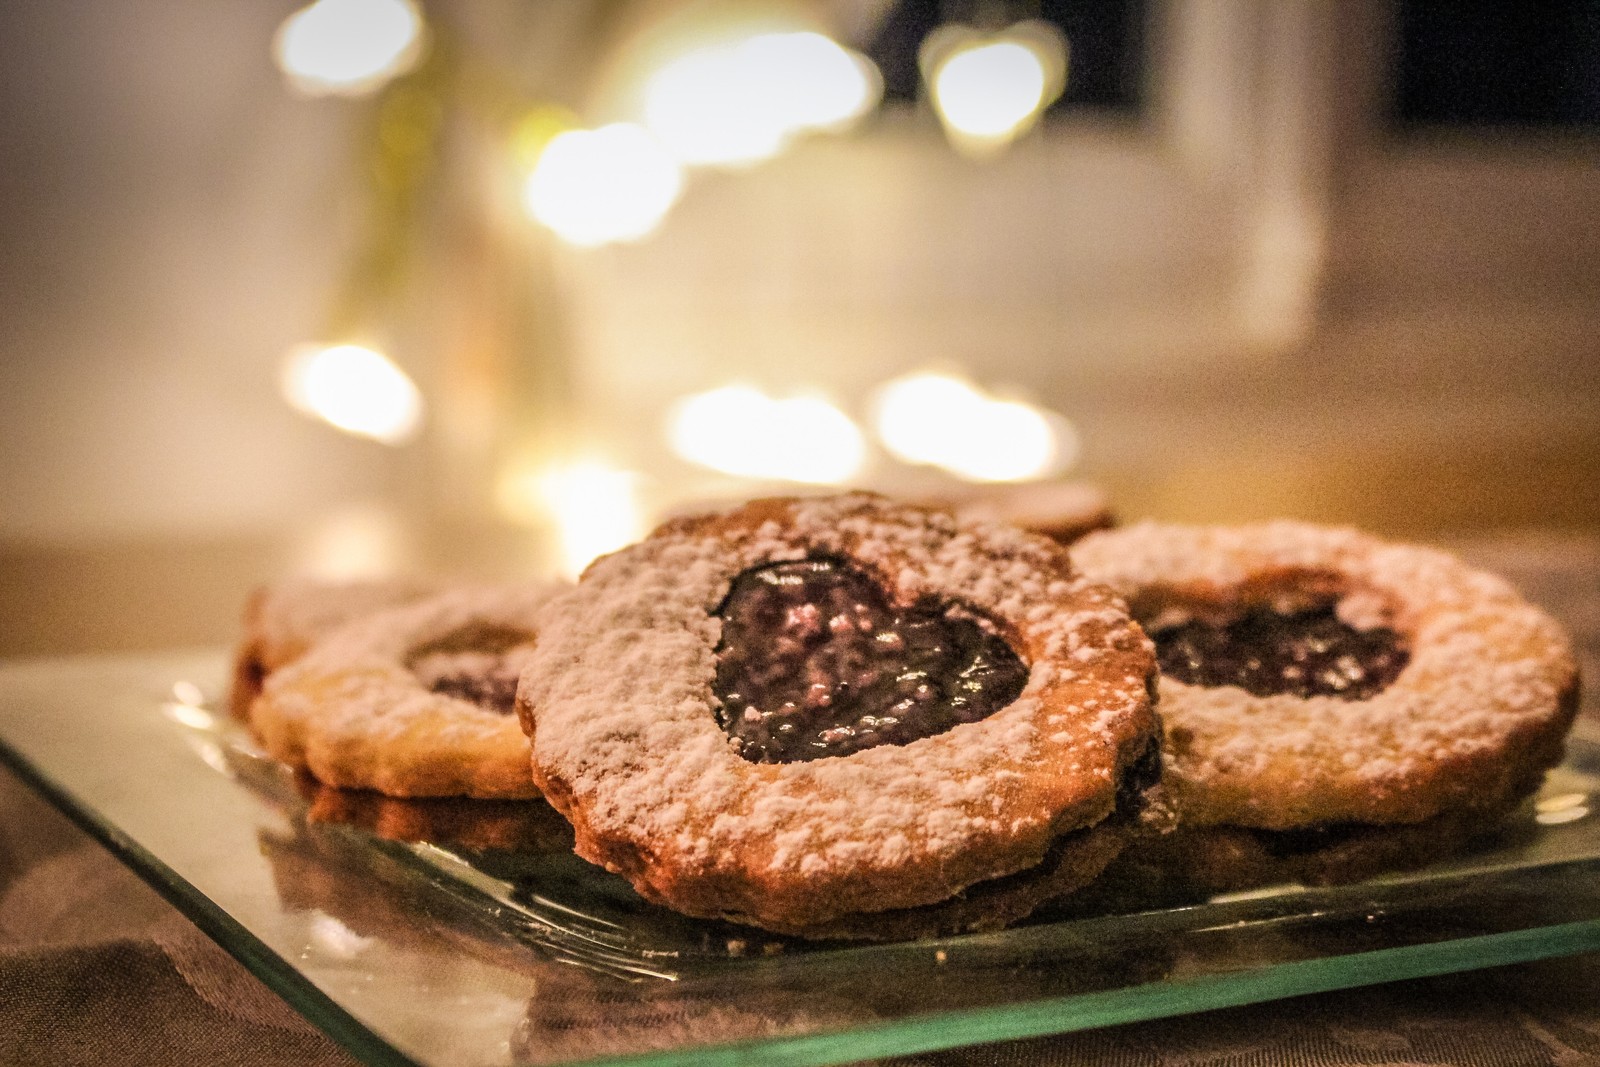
619	699
286	619
354	711
1483	702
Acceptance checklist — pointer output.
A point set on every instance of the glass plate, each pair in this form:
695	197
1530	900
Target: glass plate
494	945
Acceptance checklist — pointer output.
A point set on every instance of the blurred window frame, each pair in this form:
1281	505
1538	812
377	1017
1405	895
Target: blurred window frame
1480	222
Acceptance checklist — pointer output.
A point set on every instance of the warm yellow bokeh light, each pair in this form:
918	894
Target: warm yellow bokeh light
355	389
1561	808
348	47
989	90
736	103
811	81
704	115
188	706
595	187
592	506
740	430
912	411
944	421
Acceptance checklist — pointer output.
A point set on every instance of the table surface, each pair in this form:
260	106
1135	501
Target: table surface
95	967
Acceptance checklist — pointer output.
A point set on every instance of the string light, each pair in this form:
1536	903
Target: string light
944	421
596	187
355	389
988	90
729	101
696	106
811	81
349	47
742	431
739	103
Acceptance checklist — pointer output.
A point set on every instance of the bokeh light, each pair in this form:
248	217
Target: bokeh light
348	47
596	187
742	431
704	116
592	506
944	421
990	89
355	389
811	81
737	103
1562	808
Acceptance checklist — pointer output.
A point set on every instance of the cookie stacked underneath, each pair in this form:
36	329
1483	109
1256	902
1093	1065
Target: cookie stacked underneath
1335	704
414	701
845	717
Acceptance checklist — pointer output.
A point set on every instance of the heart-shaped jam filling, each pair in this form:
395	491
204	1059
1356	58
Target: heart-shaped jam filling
479	663
1309	653
814	662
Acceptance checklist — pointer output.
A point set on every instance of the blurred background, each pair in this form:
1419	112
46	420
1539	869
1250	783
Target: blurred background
489	286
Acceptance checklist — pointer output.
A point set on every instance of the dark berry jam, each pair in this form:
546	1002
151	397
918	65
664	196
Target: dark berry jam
480	664
1310	653
1140	777
490	685
815	662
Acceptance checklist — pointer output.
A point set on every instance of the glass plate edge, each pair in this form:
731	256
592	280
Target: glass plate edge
262	961
1132	1004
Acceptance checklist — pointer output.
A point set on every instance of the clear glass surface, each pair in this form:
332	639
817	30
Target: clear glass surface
492	944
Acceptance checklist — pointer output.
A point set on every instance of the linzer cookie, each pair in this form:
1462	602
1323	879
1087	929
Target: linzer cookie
1319	685
282	621
843	717
412	702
